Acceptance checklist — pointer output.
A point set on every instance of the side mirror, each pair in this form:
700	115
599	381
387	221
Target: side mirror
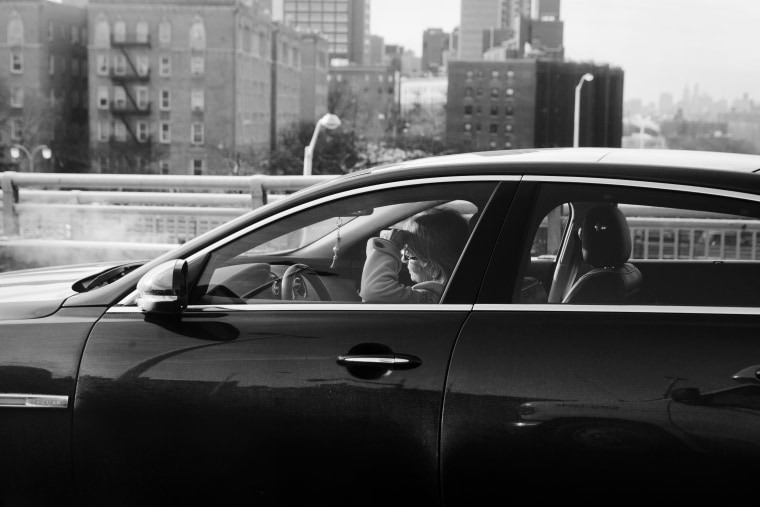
163	289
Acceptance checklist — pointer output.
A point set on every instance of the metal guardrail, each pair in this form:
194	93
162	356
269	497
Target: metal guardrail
130	207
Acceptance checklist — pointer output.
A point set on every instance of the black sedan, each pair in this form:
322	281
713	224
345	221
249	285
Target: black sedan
594	332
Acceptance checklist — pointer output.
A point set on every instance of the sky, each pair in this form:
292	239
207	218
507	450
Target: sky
663	46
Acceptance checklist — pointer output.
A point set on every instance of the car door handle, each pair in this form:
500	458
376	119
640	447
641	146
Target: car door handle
388	361
748	375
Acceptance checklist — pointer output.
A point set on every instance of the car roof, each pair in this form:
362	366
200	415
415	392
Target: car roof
602	156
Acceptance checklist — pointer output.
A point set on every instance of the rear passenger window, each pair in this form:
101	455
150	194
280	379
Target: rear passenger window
626	246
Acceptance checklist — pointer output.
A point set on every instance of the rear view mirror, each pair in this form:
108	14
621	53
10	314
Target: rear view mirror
163	289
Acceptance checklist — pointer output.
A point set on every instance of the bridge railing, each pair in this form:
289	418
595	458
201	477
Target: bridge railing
165	209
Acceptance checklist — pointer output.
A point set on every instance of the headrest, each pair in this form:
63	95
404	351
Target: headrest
605	237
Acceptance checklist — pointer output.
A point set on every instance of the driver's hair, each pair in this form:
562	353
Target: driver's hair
437	237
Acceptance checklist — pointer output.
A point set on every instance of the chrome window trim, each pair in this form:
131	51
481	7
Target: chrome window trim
564	308
15	400
644	184
335	307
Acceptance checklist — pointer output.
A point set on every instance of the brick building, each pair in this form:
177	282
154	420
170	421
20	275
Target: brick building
529	103
43	47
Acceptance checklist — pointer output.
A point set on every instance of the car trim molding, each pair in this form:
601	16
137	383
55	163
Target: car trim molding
643	184
549	307
33	400
287	307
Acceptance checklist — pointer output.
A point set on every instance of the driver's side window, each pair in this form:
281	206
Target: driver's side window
349	250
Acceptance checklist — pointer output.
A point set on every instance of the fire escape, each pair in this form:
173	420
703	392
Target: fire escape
133	108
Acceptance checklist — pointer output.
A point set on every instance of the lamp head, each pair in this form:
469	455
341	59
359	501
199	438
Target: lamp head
330	121
15	152
46	153
588	77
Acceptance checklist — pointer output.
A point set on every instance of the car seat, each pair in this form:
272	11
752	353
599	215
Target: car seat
606	245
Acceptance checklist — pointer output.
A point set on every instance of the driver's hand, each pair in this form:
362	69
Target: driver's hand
397	236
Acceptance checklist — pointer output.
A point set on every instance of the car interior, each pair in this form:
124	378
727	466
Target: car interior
318	255
643	250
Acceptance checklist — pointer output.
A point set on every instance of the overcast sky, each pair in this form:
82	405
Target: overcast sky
662	45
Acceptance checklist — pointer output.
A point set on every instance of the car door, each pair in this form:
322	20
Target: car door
615	401
268	400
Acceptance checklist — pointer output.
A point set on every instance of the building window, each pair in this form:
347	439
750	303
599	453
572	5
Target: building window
197	166
493	128
478	109
494	93
74	34
15	30
468	91
119	97
103	99
102	64
50	31
120	31
468	109
143	65
508	127
492	145
141	31
510	92
165	66
479	92
120	65
468	127
165	135
104	130
163	167
165	32
17	129
469	74
142	131
477	127
102	32
494	110
495	74
510	74
17	62
197	133
17	96
197	65
120	132
51	65
197	35
75	67
197	100
509	110
165	104
142	97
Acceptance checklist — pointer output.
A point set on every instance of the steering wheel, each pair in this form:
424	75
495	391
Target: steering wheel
290	281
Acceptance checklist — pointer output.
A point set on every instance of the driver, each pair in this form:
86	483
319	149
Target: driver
430	245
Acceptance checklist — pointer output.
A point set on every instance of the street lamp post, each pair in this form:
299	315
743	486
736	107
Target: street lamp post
328	121
16	150
577	112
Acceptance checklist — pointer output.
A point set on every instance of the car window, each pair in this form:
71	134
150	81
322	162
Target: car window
615	245
347	250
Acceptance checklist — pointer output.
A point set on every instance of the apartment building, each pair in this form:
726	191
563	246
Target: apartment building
43	50
528	103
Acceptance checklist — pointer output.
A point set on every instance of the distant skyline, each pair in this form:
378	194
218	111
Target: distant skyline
663	46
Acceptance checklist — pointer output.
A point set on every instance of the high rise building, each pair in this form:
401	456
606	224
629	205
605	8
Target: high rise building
529	103
43	47
435	44
344	23
477	16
